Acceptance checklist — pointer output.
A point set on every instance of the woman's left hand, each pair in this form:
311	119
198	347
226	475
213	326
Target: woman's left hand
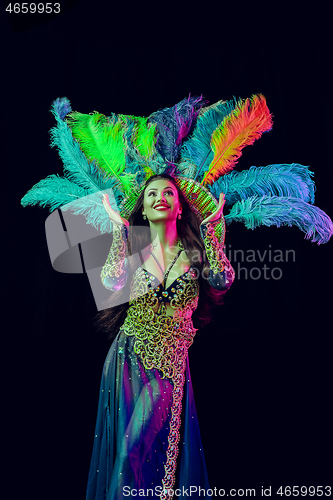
218	213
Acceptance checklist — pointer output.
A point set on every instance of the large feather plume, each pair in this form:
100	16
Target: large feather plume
291	180
102	141
80	188
76	166
239	129
57	192
141	158
142	134
173	126
197	150
53	192
91	207
281	210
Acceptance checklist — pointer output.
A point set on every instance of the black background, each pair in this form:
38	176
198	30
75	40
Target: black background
262	371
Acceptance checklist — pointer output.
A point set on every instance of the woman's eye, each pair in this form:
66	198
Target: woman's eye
153	193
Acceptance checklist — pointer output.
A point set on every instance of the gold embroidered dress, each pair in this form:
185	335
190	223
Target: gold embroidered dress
139	440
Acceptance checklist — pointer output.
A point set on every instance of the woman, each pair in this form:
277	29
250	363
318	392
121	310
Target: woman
140	409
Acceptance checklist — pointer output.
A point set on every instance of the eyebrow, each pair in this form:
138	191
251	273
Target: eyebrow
155	189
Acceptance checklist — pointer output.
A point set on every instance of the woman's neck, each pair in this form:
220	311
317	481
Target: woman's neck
166	235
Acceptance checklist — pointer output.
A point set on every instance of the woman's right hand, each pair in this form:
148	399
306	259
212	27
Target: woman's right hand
112	214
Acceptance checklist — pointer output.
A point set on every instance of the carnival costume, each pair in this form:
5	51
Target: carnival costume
146	391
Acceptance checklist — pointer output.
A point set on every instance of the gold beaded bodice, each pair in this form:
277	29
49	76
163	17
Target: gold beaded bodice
161	338
162	341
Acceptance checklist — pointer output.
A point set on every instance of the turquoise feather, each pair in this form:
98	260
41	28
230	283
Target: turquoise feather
59	192
76	166
54	192
281	210
197	150
91	207
291	180
186	169
80	189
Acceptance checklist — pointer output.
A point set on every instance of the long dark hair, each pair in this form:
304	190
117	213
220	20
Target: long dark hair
111	319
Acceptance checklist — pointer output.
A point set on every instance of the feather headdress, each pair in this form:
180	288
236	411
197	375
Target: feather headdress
198	145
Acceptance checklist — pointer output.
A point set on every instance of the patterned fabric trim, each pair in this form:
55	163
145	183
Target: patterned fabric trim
162	342
174	435
114	265
218	261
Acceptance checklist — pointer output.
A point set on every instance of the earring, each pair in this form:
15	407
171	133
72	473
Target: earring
180	244
179	216
144	217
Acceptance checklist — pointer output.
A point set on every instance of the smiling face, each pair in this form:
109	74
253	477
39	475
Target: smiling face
161	201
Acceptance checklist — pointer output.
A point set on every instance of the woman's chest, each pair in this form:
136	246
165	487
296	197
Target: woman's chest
166	269
181	293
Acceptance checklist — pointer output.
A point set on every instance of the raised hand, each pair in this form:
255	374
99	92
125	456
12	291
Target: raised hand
114	216
218	213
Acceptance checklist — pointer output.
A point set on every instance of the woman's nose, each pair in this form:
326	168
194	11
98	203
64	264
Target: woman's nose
161	197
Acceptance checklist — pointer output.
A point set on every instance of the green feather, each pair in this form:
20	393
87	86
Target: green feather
143	134
76	166
102	140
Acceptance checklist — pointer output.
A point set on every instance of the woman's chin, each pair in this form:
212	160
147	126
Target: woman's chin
163	216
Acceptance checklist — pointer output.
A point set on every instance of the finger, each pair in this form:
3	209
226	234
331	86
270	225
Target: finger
106	198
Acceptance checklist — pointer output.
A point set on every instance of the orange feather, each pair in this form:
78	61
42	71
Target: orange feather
241	128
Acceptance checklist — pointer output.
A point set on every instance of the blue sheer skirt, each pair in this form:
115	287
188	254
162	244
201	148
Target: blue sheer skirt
132	428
